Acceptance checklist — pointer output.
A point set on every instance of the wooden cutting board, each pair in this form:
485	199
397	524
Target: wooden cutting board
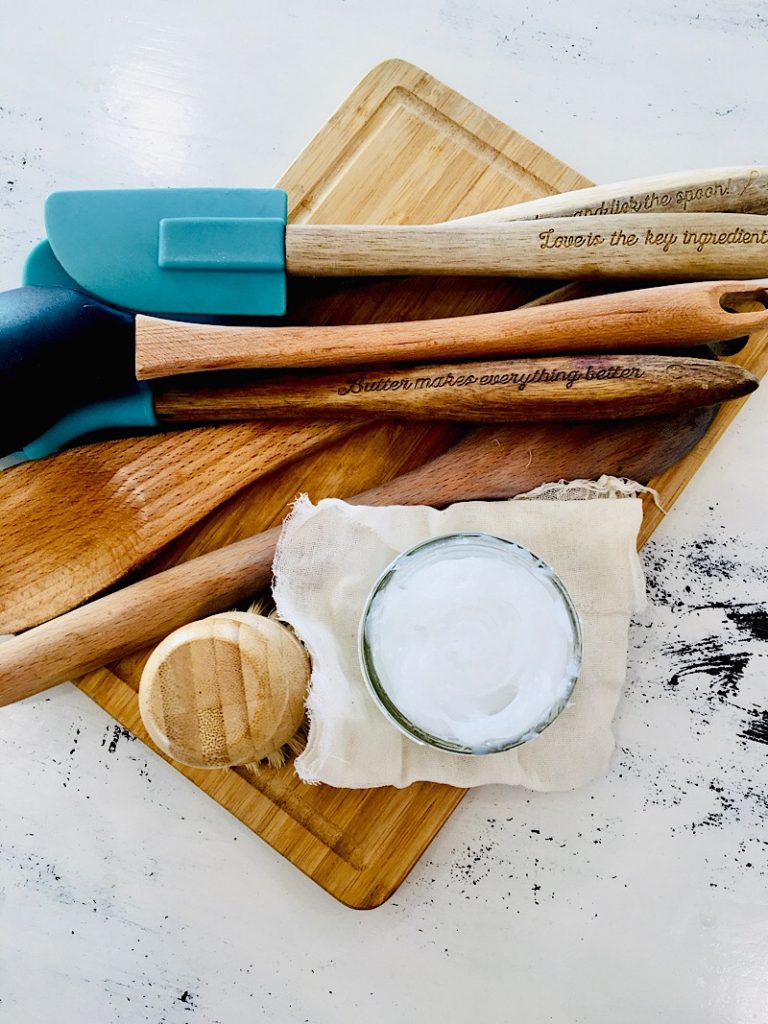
402	148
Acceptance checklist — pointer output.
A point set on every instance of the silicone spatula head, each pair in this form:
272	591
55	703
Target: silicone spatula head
59	350
178	252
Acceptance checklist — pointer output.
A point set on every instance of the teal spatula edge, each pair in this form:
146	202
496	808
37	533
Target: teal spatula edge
131	410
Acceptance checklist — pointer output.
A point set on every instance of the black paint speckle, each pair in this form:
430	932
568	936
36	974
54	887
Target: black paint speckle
188	999
118	733
756	729
751	619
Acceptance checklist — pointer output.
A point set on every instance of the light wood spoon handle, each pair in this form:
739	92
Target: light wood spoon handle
645	319
649	245
560	388
133	617
717	189
490	462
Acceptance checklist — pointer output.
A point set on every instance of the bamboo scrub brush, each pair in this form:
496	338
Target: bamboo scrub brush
227	690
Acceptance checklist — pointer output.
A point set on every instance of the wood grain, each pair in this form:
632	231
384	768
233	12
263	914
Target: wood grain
637	320
686	246
75	523
502	391
226	690
404	147
142	613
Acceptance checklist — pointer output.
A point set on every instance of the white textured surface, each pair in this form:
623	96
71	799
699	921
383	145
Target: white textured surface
127	895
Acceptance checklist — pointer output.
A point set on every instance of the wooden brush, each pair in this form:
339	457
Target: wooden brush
227	690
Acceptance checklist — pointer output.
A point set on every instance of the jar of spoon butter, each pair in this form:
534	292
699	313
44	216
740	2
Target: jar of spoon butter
470	643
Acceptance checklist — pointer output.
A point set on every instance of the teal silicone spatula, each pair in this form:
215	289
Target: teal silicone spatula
226	252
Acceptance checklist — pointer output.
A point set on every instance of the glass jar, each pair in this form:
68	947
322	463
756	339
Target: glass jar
441	661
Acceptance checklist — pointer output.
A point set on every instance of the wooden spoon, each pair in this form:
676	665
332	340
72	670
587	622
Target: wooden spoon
646	319
488	463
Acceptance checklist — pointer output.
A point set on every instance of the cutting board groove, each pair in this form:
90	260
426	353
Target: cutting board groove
402	148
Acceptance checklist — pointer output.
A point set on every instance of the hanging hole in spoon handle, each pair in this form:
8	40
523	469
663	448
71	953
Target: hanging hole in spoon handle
752	298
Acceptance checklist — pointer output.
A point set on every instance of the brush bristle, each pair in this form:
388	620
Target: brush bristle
263	605
278	758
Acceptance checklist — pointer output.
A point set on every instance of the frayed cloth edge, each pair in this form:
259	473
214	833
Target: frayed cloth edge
581	490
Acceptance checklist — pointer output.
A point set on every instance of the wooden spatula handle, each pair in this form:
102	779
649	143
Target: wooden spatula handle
649	245
560	388
490	462
716	189
497	462
645	319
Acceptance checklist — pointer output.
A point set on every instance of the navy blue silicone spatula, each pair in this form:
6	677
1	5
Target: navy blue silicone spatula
67	368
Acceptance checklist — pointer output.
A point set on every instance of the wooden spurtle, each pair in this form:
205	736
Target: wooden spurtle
647	319
488	463
560	388
74	524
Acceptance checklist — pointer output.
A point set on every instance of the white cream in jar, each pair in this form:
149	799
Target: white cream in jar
470	643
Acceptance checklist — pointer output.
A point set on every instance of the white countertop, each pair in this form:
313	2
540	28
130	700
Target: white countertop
128	895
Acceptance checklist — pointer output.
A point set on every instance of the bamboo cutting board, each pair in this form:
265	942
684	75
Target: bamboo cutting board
402	148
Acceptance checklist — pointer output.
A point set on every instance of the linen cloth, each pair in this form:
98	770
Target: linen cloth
330	555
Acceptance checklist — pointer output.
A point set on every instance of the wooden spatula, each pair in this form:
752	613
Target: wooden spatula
488	463
75	523
707	190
